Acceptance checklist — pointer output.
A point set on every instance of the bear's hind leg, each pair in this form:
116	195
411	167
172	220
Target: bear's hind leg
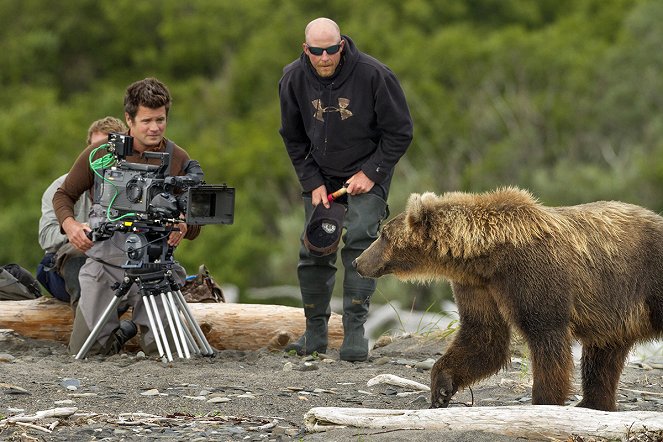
480	349
601	368
552	366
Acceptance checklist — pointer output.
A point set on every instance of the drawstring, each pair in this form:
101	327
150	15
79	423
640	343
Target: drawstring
329	100
312	147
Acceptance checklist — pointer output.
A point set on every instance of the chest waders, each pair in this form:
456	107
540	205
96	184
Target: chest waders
317	276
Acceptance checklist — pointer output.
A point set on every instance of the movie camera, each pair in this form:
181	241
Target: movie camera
147	191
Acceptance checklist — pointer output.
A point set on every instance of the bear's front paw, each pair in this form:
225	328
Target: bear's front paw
442	389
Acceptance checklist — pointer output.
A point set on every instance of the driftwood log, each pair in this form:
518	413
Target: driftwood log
530	422
226	326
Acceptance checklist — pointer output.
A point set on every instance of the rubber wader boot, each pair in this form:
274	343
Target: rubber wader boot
120	336
355	345
314	339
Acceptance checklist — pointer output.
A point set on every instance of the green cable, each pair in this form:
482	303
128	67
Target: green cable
104	162
101	163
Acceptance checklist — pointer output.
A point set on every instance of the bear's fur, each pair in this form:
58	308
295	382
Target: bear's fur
593	272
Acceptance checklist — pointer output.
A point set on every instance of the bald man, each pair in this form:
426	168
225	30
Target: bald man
345	123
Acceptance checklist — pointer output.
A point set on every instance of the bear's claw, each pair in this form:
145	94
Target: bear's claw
442	399
442	389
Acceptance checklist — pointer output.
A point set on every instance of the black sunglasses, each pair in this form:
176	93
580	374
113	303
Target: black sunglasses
331	50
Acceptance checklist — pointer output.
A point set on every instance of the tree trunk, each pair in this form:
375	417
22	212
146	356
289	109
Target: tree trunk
226	326
530	422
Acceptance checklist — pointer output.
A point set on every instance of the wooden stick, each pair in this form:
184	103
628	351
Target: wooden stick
34	427
398	381
340	192
643	392
43	414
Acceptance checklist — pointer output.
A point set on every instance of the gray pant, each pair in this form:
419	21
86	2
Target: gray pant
362	222
96	280
69	271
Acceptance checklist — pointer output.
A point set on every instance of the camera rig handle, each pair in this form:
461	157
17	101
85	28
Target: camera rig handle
164	167
105	230
100	233
194	176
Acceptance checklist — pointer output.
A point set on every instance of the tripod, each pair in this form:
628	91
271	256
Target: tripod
155	280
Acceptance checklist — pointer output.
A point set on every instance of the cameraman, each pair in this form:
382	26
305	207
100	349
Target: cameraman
58	270
146	106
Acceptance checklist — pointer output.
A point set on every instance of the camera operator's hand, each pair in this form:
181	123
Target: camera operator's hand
77	234
175	236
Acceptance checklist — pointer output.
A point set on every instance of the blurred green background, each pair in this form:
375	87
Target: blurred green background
562	97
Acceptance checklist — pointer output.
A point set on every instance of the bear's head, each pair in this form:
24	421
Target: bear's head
404	242
437	235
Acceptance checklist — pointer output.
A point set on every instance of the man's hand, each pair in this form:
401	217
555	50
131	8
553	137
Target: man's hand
359	183
175	236
319	195
77	234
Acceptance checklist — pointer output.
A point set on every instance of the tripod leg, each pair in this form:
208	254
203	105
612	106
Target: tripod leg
188	343
171	324
173	308
110	309
157	318
153	327
207	349
192	343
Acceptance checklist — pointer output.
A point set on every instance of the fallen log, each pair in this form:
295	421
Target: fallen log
226	326
529	422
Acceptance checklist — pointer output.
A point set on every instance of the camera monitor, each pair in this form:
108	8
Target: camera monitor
210	204
121	145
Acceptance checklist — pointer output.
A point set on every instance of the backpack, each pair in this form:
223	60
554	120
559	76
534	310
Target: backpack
202	287
49	277
16	284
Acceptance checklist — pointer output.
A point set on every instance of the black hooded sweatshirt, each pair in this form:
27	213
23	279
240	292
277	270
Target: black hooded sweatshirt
333	127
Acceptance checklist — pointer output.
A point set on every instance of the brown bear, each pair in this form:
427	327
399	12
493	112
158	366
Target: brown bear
593	272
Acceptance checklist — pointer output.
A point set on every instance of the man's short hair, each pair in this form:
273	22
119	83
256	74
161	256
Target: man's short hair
106	125
149	92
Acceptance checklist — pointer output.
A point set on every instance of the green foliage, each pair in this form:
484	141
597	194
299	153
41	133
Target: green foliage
558	96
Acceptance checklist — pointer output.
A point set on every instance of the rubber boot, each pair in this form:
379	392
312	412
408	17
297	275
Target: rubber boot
355	344
120	336
314	339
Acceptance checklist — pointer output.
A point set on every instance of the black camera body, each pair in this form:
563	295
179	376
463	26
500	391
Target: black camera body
146	192
136	188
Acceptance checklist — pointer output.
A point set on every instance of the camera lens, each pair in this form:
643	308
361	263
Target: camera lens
134	191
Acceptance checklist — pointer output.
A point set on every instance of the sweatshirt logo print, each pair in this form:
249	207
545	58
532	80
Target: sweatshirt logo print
342	109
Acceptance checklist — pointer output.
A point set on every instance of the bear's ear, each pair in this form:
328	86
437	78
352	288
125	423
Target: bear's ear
420	210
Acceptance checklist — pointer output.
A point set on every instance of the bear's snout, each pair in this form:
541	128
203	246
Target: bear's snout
360	272
354	265
371	262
